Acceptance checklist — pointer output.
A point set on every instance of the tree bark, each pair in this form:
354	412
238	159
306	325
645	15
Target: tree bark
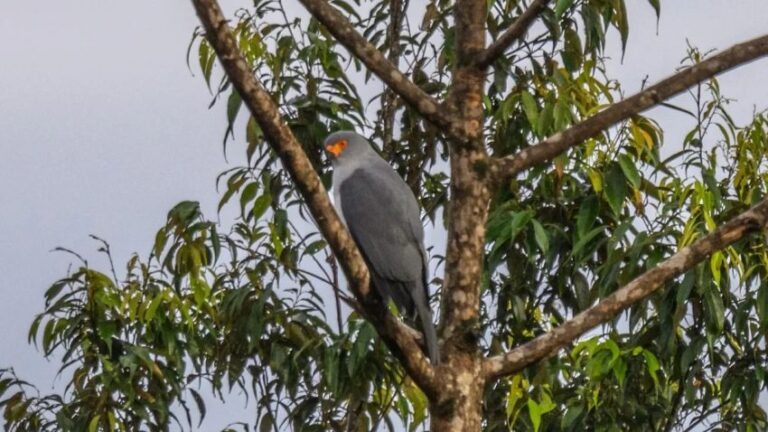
459	406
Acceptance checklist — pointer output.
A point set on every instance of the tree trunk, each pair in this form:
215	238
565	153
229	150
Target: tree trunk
459	407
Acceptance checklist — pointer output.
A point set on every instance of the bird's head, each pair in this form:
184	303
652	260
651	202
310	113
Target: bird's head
346	145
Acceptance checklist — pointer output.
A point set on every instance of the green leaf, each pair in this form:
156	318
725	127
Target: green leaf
160	239
715	308
206	58
360	347
596	179
715	264
572	53
112	422
200	290
583	241
331	369
277	242
200	405
615	189
652	365
249	192
620	370
253	136
106	330
561	7
685	288
419	403
266	423
48	335
762	304
691	352
314	247
261	205
515	394
562	117
544	125
215	242
656	4
536	410
622	22
518	222
152	308
93	425
233	107
185	212
587	215
233	185
571	415
630	171
541	236
530	107
32	334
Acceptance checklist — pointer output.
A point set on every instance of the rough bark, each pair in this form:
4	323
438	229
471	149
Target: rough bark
553	146
459	406
398	337
513	33
635	291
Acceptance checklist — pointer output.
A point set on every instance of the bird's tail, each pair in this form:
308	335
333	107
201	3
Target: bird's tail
411	299
428	328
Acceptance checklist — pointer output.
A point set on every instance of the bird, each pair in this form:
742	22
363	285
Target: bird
382	215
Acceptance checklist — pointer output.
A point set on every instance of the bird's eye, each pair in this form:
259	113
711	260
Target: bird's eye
337	147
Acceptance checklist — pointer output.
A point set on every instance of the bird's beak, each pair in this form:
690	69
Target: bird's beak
336	148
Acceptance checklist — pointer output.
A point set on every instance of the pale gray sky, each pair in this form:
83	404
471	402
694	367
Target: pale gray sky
103	129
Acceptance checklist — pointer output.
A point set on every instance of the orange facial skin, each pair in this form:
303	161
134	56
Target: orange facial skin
337	147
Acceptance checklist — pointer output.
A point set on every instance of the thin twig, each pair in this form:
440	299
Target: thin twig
513	33
389	98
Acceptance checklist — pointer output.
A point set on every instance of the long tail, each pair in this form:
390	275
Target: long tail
428	327
411	299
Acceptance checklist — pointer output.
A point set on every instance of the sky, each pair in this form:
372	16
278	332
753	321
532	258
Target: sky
103	128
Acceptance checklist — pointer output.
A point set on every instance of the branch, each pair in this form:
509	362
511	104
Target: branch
345	32
396	335
638	289
551	147
513	33
398	9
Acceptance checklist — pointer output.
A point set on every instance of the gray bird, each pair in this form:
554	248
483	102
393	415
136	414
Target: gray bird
382	215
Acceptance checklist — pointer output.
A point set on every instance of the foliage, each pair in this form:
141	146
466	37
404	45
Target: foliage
258	308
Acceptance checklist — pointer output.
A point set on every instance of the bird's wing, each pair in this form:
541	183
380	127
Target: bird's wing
376	205
382	215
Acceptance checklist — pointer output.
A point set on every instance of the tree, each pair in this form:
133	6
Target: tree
562	214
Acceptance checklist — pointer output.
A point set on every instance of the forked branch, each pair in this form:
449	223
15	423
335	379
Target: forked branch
398	337
635	291
513	33
360	47
508	167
